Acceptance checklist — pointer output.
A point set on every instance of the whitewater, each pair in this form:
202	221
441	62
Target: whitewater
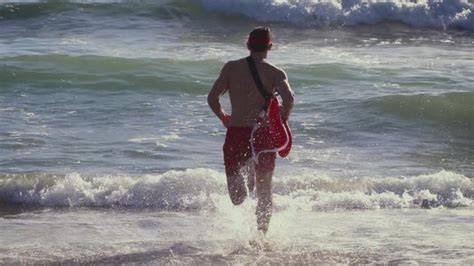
110	154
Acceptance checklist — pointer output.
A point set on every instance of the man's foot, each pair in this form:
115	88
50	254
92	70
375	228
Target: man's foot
263	228
263	219
260	242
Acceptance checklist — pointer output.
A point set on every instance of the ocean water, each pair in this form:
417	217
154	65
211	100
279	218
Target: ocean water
110	154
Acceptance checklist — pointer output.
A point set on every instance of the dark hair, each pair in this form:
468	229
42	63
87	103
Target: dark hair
259	32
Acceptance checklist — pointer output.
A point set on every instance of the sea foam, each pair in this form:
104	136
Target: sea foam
308	13
205	189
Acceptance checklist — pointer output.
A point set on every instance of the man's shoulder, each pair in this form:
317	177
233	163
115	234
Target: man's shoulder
276	71
271	68
235	62
274	68
232	64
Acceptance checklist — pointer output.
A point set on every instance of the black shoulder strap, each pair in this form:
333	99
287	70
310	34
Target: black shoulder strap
256	78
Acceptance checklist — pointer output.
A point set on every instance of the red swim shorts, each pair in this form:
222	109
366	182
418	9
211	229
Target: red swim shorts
238	152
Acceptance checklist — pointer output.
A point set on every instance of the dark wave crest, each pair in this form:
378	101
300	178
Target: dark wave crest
106	73
164	9
454	109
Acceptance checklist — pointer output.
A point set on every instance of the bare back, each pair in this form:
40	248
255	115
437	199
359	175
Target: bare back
245	99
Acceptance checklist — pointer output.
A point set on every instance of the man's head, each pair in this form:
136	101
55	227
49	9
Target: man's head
260	40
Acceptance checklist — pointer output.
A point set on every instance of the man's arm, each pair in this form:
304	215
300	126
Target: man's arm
219	88
286	93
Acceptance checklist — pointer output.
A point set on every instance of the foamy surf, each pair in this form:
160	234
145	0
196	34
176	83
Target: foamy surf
185	217
205	189
385	236
427	13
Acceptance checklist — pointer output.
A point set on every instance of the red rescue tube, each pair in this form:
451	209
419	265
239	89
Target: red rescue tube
287	149
281	131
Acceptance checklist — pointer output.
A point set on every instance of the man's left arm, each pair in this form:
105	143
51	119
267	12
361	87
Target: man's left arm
221	85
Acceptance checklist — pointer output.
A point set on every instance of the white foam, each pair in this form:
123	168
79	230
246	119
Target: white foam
160	141
205	189
424	13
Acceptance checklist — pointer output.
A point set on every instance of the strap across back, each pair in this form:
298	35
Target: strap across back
258	82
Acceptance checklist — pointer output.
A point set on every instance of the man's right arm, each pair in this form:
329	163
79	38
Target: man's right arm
221	85
286	93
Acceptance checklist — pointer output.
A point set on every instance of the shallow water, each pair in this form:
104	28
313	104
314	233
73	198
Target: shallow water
105	236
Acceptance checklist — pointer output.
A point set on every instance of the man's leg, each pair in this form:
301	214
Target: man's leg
264	173
235	156
236	186
264	202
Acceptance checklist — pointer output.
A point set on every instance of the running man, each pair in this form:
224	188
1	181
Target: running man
246	103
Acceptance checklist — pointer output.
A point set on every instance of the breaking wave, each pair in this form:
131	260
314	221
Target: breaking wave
425	13
307	13
205	189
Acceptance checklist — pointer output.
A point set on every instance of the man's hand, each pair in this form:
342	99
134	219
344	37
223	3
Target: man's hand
225	118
